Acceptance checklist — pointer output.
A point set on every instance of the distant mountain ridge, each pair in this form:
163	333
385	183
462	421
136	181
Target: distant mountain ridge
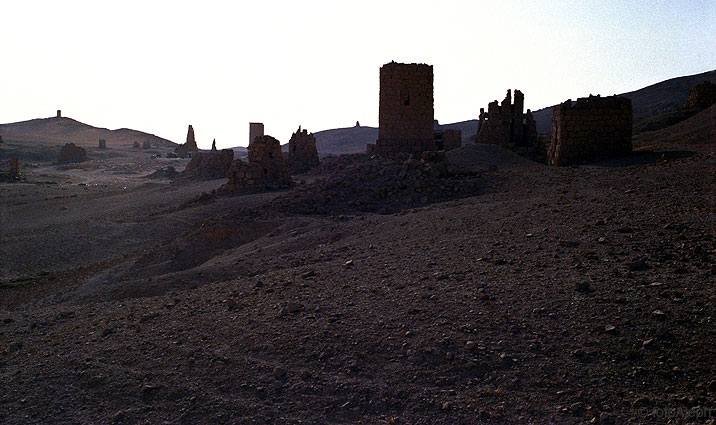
67	130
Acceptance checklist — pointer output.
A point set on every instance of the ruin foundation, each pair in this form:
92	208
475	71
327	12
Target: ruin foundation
590	129
302	153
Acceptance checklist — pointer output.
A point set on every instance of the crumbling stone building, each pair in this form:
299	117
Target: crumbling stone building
187	149
256	129
102	144
592	128
265	169
71	153
505	124
701	96
209	165
405	112
302	153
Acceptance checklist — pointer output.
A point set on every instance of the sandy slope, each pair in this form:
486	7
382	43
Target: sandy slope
546	295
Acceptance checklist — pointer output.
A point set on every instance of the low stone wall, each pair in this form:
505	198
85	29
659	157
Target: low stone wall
590	129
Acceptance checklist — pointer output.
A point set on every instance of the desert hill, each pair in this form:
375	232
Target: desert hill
67	130
656	99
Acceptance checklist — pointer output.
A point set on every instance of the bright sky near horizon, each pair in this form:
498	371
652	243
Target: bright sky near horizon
157	66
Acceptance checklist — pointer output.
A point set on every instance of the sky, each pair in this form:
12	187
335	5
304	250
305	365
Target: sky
158	66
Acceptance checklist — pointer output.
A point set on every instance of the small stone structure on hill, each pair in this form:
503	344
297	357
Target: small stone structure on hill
11	171
102	144
187	149
209	165
265	169
146	144
505	124
701	96
71	153
256	129
302	153
406	113
59	113
590	129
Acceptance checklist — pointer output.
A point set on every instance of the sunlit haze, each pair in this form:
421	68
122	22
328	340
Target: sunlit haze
159	66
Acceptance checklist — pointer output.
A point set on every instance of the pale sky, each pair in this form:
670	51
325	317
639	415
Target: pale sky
157	66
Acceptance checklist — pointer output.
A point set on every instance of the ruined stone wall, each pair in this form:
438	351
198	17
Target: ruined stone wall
188	148
701	96
405	117
71	153
506	124
256	129
302	153
209	165
592	128
265	169
447	140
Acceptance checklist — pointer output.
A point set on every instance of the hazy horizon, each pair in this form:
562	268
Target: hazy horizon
160	66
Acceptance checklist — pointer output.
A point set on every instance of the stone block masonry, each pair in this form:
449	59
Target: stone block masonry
266	168
505	124
302	153
592	128
256	129
405	113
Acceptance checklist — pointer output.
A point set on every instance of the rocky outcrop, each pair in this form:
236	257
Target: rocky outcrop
70	153
209	165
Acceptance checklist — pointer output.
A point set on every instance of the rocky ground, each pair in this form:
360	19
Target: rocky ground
490	289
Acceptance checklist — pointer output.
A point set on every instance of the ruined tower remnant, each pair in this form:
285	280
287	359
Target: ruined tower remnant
405	113
189	147
266	168
213	145
701	96
59	113
71	153
256	129
102	144
506	124
592	128
14	167
302	153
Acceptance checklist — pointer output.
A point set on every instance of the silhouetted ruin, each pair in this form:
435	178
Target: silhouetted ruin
505	124
265	169
209	165
71	153
405	113
187	149
213	146
59	113
256	129
701	96
102	144
592	128
302	153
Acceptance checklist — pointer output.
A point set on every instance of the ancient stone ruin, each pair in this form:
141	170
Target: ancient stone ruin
71	153
265	169
701	96
146	144
256	129
302	153
1	141
209	165
505	124
187	149
11	171
590	129
405	111
102	144
213	146
59	113
135	144
406	114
